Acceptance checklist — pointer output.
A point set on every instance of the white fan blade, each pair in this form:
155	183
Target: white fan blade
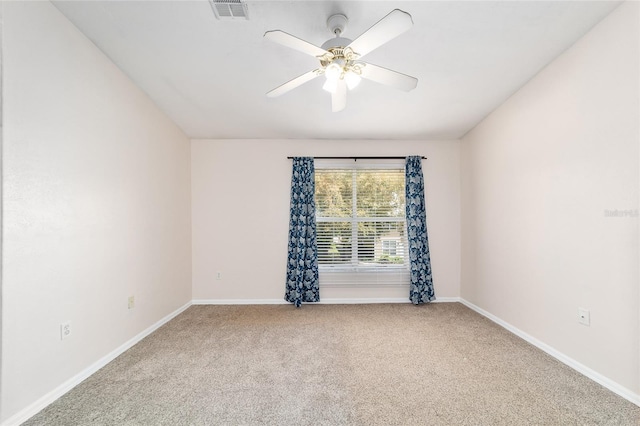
386	29
293	42
292	84
389	77
339	97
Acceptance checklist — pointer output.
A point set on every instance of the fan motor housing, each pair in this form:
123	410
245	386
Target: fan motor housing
340	42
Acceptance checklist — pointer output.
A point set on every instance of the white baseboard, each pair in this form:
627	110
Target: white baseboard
447	300
43	402
580	368
328	301
362	300
239	301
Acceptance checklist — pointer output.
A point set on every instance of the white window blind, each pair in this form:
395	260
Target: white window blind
360	215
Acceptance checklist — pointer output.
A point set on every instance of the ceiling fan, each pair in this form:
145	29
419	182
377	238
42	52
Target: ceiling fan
340	57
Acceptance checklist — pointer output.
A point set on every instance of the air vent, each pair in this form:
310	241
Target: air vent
229	9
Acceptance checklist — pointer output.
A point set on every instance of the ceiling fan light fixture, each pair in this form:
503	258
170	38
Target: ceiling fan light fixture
352	79
333	71
330	85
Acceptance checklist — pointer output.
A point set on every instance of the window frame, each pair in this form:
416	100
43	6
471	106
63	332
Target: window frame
352	274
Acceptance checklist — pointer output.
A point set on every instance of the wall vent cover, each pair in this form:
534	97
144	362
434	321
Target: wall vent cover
229	9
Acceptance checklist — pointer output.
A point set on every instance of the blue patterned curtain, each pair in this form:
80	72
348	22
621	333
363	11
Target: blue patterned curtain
421	290
302	265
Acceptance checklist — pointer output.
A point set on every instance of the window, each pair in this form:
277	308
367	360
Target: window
389	247
360	215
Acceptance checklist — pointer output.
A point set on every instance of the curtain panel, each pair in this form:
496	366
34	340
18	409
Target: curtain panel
302	264
421	286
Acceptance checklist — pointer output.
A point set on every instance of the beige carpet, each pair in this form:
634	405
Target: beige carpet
437	364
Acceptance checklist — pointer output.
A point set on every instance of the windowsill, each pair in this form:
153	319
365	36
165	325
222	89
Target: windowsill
382	269
359	276
363	285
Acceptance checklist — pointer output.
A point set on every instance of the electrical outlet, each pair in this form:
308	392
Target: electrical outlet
65	330
218	275
583	316
132	302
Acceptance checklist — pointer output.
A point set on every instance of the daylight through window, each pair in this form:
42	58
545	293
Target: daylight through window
361	221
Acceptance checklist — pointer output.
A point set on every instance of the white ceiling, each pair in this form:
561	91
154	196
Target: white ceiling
211	76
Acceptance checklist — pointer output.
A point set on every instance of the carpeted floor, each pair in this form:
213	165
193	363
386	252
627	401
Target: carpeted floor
396	364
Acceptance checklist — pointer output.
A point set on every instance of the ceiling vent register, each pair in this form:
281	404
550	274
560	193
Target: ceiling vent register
229	9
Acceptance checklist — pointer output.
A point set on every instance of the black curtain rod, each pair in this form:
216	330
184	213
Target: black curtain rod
359	158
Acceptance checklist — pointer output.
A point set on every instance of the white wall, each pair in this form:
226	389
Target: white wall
96	206
538	175
240	196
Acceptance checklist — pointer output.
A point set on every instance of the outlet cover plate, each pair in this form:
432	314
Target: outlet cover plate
65	330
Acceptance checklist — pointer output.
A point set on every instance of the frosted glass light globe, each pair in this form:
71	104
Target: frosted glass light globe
333	71
352	79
